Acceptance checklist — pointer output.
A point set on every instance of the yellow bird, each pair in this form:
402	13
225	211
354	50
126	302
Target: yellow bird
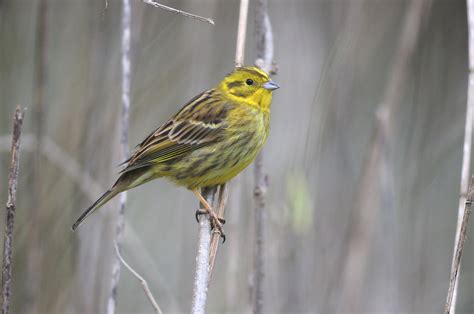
215	136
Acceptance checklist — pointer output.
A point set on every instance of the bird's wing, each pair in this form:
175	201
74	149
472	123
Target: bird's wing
199	123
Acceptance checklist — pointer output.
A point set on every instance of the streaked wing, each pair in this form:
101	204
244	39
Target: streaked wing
199	123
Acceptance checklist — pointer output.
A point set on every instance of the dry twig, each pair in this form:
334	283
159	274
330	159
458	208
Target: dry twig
459	248
176	11
201	277
241	33
466	158
264	38
223	194
143	282
10	211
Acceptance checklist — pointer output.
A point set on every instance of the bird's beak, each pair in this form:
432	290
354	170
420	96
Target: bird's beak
270	85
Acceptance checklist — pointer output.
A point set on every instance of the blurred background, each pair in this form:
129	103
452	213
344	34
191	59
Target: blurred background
345	231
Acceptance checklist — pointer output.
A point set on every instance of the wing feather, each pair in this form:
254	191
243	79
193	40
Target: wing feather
201	122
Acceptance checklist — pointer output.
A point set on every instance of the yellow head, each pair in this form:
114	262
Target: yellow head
250	86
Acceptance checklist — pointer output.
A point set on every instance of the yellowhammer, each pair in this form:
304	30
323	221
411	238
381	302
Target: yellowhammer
209	141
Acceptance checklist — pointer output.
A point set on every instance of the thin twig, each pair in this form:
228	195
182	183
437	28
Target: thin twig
180	12
466	157
126	21
223	194
10	211
264	41
201	277
241	33
143	282
261	184
264	38
459	248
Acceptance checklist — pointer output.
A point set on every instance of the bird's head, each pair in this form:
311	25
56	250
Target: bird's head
249	85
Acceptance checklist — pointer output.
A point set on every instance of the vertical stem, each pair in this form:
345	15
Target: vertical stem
259	216
10	212
126	21
264	41
241	33
201	277
207	248
223	193
466	158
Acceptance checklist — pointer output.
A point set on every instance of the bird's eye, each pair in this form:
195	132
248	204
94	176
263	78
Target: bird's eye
249	82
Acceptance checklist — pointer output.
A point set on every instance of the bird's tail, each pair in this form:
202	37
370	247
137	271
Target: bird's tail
107	196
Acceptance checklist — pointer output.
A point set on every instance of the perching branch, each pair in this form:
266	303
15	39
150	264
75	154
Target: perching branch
223	194
124	121
466	157
201	277
179	12
207	251
264	39
10	211
143	282
459	248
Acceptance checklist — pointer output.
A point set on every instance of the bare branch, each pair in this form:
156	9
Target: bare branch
28	142
466	157
264	38
264	41
10	211
201	277
143	282
241	33
180	12
223	194
126	21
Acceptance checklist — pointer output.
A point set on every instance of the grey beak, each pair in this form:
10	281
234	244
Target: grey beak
270	85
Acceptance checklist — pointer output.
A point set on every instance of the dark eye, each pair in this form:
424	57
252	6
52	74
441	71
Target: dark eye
249	82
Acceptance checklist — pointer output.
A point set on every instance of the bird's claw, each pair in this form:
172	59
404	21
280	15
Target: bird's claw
216	222
200	212
216	226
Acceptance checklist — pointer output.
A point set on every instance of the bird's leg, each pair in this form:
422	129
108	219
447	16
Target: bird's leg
216	222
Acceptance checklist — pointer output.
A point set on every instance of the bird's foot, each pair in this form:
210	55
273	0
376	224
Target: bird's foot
216	222
201	211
